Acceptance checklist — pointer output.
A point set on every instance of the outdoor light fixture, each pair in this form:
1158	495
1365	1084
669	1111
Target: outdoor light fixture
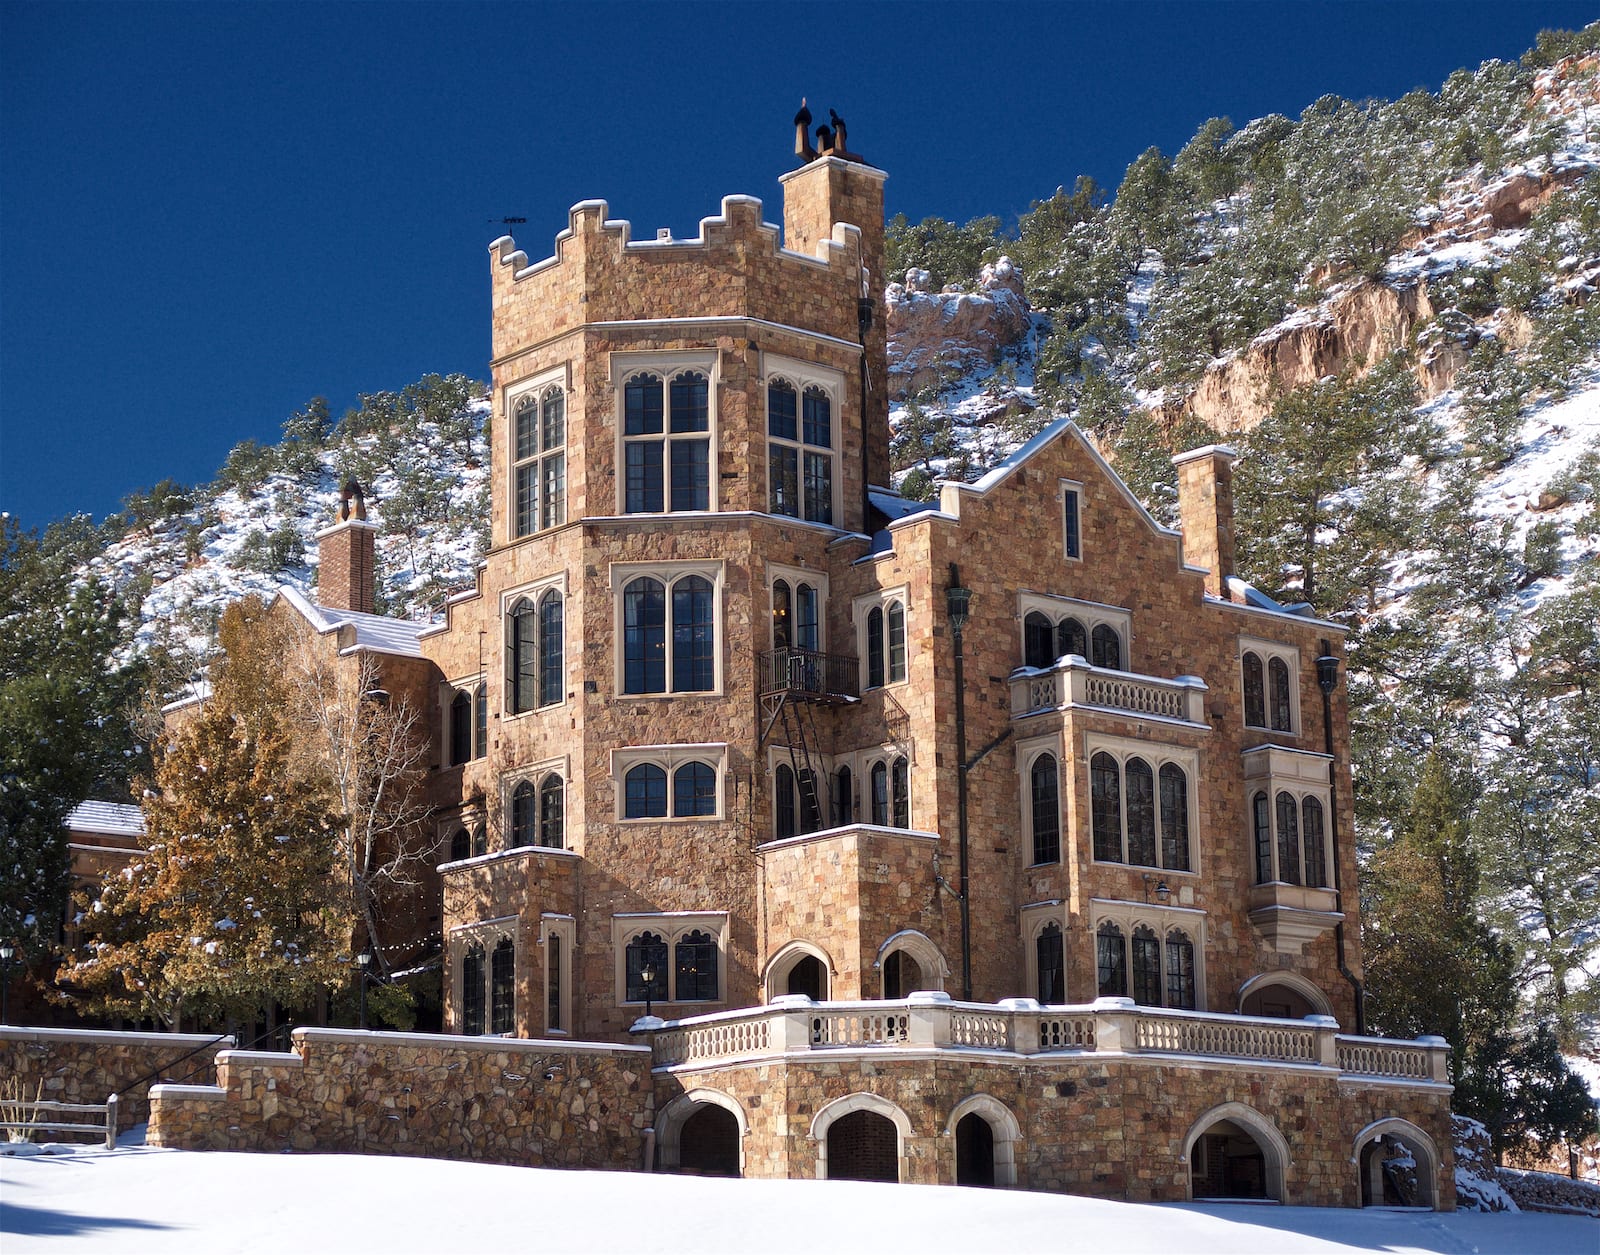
1327	674
6	951
958	601
363	961
648	976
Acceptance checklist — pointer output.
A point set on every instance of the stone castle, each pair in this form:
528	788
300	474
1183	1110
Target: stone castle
1002	839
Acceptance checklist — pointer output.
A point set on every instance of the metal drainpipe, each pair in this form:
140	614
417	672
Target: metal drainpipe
961	804
864	325
1333	820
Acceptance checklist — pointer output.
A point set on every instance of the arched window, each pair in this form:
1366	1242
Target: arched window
1105	790
1278	682
523	799
1311	835
645	792
818	458
1141	804
552	813
460	727
643	408
460	845
1288	839
524	657
1261	821
900	790
880	793
783	801
691	458
810	801
1106	647
1050	960
1174	818
800	468
1146	967
897	642
783	454
1045	790
1255	692
472	1008
684	445
695	967
550	648
694	790
539	471
875	668
502	987
646	950
844	802
480	721
807	633
644	636
1038	640
1071	638
780	614
693	636
480	841
1111	961
1180	971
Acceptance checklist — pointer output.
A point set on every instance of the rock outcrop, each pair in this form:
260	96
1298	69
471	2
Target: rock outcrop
934	335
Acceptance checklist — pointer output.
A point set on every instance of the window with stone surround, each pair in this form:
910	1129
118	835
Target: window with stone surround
559	933
466	720
1053	627
503	987
797	802
538	454
462	836
1270	678
687	951
533	801
802	439
1071	520
1050	964
798	600
1290	837
535	646
483	968
669	627
669	781
1141	803
1044	808
1149	953
881	631
667	404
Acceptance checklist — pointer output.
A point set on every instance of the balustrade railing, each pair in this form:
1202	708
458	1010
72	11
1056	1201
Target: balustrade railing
1073	682
796	1025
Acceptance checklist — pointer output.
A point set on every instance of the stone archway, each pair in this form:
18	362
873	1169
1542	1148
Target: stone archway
1282	996
702	1132
860	1137
799	968
1000	1135
1397	1165
1235	1152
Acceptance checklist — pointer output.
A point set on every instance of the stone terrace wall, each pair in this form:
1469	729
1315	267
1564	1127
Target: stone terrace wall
490	1100
86	1066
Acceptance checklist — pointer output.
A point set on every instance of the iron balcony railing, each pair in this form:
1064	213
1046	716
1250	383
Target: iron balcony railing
807	671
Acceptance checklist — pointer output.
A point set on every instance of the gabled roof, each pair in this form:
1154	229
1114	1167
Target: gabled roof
376	632
119	819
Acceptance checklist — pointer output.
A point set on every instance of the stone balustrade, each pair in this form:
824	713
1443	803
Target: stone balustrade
796	1025
1073	682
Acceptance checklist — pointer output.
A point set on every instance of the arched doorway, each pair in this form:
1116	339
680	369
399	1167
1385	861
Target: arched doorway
1282	996
902	975
708	1143
1235	1152
808	977
863	1146
974	1151
1398	1165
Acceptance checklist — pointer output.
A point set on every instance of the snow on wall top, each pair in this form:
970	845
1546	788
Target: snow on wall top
113	818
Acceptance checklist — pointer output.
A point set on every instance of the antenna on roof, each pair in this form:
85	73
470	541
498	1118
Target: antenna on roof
508	223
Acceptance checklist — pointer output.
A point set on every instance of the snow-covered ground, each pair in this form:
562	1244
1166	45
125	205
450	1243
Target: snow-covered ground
138	1199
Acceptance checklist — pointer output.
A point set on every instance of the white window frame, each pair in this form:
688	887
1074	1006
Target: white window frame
536	386
669	758
1070	488
488	933
510	598
565	928
668	365
667	573
1160	920
1091	614
802	375
794	576
1301	774
860	609
1157	755
1268	650
672	926
535	774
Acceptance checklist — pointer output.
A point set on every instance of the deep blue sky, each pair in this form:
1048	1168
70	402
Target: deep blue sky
211	213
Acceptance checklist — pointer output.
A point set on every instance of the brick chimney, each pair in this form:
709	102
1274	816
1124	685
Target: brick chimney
1205	512
346	572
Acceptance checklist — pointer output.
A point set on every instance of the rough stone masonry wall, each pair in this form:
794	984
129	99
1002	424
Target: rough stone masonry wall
86	1066
489	1100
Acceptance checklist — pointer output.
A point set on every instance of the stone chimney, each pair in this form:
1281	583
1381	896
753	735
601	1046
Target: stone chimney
346	571
1205	512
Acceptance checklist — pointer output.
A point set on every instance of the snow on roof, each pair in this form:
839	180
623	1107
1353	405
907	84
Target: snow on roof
376	632
893	505
114	818
199	691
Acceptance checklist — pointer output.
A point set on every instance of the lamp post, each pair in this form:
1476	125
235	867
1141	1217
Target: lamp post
6	951
363	961
1327	681
648	976
958	605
